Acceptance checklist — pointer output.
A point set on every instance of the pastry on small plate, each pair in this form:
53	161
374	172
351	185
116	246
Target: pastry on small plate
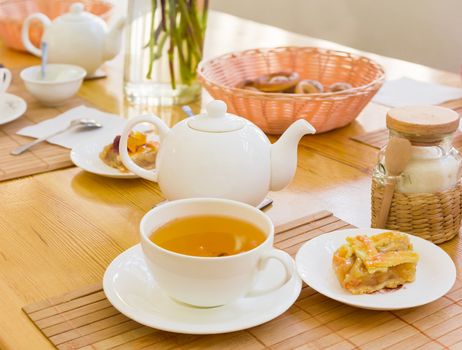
366	264
142	151
380	259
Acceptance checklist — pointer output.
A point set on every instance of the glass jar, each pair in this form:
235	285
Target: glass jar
427	195
164	45
435	165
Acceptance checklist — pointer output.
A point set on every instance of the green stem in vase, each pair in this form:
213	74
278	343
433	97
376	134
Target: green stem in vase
194	31
205	13
160	46
182	23
197	26
163	15
172	19
184	52
152	39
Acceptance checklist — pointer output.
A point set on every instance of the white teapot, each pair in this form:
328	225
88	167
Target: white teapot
77	37
217	154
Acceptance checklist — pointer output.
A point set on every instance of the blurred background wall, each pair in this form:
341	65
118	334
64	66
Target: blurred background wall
423	31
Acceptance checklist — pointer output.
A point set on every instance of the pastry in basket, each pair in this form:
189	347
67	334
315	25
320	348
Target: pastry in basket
336	87
277	82
289	82
141	150
367	264
309	87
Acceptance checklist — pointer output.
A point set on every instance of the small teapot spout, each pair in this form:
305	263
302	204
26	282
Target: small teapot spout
284	154
113	40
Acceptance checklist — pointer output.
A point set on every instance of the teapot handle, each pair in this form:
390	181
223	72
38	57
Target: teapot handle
126	160
25	32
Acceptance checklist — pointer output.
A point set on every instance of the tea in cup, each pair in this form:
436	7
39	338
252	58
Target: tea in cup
208	252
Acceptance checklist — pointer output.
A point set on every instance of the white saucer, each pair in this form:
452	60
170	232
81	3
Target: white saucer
86	157
131	288
11	108
435	274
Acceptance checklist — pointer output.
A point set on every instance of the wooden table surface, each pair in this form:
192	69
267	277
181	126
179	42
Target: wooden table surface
60	230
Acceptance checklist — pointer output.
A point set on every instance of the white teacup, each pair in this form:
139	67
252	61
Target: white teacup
210	281
5	80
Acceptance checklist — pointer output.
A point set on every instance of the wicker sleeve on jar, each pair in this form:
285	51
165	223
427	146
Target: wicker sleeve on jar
432	216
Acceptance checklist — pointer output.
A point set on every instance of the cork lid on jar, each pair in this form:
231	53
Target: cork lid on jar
423	121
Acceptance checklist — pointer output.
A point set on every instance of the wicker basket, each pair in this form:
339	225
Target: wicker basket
274	112
433	216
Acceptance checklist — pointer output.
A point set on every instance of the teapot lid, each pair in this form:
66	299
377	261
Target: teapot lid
216	119
76	13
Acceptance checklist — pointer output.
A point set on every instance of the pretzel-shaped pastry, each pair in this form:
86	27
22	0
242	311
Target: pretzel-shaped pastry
336	87
276	82
307	86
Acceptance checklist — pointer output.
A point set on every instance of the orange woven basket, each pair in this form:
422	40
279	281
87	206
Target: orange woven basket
274	112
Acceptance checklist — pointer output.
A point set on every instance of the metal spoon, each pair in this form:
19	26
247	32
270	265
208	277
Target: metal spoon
397	156
187	110
44	60
82	123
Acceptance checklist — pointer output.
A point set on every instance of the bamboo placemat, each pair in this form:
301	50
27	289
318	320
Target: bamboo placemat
379	138
42	158
84	319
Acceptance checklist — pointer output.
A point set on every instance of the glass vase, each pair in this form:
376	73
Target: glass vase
163	48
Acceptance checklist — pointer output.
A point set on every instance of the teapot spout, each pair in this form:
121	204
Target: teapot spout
284	154
113	40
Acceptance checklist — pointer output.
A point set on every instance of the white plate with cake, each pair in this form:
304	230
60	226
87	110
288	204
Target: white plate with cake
376	269
102	157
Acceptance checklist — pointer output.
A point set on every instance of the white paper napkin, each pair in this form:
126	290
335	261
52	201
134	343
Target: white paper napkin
407	92
112	125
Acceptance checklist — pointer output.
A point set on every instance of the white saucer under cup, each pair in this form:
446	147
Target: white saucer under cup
131	289
11	107
435	274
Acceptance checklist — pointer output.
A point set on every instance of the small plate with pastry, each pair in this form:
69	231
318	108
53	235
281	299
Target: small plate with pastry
376	269
102	158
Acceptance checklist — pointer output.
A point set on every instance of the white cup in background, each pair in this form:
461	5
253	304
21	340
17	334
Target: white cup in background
210	281
5	80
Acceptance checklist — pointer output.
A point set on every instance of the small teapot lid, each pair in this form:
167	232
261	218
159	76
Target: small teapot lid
216	119
77	13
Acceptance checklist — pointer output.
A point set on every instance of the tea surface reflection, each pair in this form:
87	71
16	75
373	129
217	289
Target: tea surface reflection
208	236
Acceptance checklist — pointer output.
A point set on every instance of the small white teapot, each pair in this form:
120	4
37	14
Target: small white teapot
217	154
77	37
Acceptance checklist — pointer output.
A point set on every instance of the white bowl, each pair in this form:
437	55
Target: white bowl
62	81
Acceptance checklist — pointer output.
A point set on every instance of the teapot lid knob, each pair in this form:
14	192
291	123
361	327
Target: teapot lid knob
216	119
216	108
77	8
